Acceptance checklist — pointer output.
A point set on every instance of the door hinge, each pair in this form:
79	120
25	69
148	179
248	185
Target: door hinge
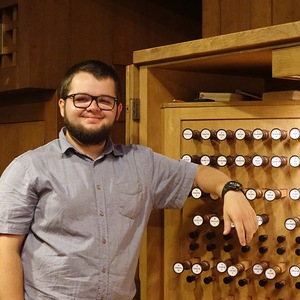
135	109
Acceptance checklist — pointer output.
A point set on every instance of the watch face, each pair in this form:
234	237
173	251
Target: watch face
234	185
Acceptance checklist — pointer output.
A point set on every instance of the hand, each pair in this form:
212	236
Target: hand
237	210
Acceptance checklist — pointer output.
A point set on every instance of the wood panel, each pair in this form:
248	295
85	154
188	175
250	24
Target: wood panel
211	18
285	11
145	24
42	43
286	63
235	15
94	39
16	138
27	121
227	16
37	41
260	13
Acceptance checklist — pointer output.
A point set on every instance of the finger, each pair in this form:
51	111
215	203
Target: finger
227	225
252	228
249	237
241	233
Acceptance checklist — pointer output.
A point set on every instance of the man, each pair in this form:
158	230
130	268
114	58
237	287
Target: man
72	212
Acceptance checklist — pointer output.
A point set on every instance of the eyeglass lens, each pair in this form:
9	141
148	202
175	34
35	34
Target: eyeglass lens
84	100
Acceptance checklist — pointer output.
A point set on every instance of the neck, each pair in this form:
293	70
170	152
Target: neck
92	151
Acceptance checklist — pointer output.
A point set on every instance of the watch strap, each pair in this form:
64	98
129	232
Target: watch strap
231	186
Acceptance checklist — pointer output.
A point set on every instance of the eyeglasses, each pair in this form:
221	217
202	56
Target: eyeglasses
104	102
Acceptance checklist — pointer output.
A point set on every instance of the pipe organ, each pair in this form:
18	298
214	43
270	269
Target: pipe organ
262	152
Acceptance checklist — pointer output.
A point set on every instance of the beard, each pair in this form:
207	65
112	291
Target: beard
87	137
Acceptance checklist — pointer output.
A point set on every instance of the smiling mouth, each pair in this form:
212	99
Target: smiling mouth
93	117
92	120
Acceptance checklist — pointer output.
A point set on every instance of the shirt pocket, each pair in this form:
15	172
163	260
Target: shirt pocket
130	199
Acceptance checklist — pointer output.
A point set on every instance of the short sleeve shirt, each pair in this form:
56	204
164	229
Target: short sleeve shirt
84	218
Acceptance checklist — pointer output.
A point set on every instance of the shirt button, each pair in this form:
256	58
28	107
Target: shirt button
98	187
101	213
104	241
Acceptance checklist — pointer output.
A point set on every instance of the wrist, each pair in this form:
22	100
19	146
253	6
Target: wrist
231	186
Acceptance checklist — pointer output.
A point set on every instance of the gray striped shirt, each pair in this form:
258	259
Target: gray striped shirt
84	218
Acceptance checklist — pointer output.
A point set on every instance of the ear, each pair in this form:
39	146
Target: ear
61	104
119	110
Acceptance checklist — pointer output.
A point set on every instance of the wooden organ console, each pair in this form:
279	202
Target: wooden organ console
201	263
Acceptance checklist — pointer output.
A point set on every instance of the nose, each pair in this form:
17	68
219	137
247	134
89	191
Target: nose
94	105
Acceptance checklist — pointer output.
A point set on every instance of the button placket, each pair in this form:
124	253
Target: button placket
103	234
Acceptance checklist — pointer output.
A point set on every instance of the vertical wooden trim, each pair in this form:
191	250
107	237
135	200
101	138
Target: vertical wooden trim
132	91
172	218
144	103
53	119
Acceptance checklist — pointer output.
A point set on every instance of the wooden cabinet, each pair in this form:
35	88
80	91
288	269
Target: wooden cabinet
159	75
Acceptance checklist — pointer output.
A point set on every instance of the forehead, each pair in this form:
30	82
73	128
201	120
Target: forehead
84	82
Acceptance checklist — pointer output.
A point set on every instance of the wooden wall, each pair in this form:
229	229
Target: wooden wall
140	24
227	16
27	120
46	39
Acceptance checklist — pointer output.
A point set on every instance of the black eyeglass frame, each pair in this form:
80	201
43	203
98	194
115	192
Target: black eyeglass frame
93	98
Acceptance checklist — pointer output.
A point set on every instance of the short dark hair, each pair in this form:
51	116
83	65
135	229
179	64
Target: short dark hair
97	68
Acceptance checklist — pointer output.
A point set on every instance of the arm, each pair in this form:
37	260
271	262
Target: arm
11	275
236	208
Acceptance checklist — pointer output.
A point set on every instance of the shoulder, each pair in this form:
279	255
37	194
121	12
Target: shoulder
43	153
134	149
147	155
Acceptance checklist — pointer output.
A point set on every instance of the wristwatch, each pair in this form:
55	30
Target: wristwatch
231	186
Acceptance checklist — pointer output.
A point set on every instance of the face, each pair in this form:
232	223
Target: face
89	126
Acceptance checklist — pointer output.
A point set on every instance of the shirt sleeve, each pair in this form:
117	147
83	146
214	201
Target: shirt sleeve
172	181
17	200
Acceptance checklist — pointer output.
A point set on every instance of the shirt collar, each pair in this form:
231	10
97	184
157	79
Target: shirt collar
110	147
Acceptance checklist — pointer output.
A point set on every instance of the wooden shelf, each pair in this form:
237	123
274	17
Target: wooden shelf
257	39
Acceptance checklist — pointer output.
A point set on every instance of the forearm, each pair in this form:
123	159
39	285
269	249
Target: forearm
210	180
11	275
11	278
